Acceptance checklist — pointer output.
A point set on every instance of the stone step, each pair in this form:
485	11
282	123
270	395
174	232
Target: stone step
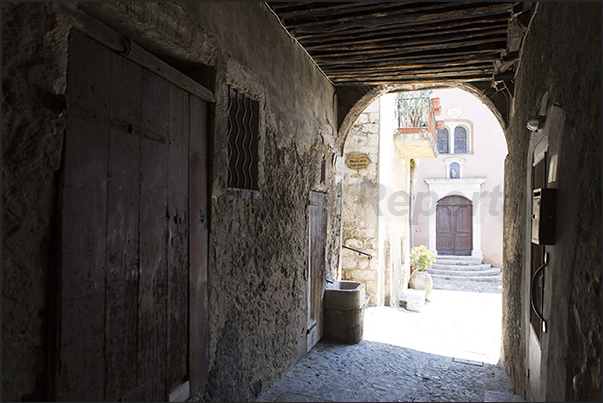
457	257
460	267
490	271
459	261
473	278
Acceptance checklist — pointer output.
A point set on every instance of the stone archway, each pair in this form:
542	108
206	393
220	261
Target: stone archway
351	101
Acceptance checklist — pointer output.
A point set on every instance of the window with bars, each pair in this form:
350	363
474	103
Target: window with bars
243	134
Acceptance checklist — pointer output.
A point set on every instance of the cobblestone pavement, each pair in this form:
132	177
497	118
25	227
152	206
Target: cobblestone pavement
432	356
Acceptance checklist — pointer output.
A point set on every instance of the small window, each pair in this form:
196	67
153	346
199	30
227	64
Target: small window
243	133
442	135
460	140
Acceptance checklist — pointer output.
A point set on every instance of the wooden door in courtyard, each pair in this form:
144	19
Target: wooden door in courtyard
454	226
132	275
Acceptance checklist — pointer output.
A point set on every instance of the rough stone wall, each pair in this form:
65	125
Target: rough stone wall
34	60
361	205
258	240
561	57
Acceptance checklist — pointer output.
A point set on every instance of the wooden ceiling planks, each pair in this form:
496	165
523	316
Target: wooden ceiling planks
366	43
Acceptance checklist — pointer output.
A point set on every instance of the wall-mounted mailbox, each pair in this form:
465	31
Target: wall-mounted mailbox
543	216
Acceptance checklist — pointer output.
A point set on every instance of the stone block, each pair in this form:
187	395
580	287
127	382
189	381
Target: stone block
413	300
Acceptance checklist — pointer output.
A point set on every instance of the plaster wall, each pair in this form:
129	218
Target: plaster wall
485	159
394	204
258	255
559	74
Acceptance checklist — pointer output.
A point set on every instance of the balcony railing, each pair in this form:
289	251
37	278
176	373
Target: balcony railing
415	112
413	109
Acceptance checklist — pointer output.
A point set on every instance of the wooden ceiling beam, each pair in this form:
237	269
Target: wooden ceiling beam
395	69
436	79
410	70
377	40
411	46
329	9
398	18
317	36
467	47
359	9
408	59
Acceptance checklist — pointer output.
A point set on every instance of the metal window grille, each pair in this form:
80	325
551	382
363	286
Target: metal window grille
243	133
413	108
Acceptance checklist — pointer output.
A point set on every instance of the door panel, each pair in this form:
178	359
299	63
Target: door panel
463	230
444	235
82	329
454	226
198	205
177	248
317	266
124	279
121	298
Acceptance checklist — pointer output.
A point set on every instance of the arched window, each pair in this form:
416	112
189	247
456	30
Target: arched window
460	140
454	171
442	135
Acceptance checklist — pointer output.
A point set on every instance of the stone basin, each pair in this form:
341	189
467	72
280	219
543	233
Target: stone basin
344	295
344	311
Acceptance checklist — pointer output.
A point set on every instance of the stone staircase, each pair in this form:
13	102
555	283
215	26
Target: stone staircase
464	268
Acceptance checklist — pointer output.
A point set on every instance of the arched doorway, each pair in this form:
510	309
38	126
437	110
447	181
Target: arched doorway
454	226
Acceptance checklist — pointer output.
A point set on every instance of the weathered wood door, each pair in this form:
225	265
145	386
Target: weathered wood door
317	266
454	226
131	307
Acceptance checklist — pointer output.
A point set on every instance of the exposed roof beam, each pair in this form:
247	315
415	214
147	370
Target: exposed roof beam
392	36
487	67
411	46
431	52
411	27
402	17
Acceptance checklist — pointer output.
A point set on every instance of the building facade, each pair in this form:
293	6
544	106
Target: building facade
458	196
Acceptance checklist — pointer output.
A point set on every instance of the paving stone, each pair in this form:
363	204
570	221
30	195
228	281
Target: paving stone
379	371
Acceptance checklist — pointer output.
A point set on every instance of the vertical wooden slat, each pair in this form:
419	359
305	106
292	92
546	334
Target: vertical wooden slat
80	370
177	247
122	232
198	247
152	243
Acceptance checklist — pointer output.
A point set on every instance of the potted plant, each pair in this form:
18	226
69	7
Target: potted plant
421	259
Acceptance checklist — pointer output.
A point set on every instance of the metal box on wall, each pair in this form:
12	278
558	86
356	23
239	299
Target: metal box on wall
543	216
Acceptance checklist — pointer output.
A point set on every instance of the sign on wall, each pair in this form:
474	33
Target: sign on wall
357	161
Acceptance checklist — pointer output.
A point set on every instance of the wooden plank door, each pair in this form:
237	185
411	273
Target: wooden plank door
317	266
463	229
454	226
130	298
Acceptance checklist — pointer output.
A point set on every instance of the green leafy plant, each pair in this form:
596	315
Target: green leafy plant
421	258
